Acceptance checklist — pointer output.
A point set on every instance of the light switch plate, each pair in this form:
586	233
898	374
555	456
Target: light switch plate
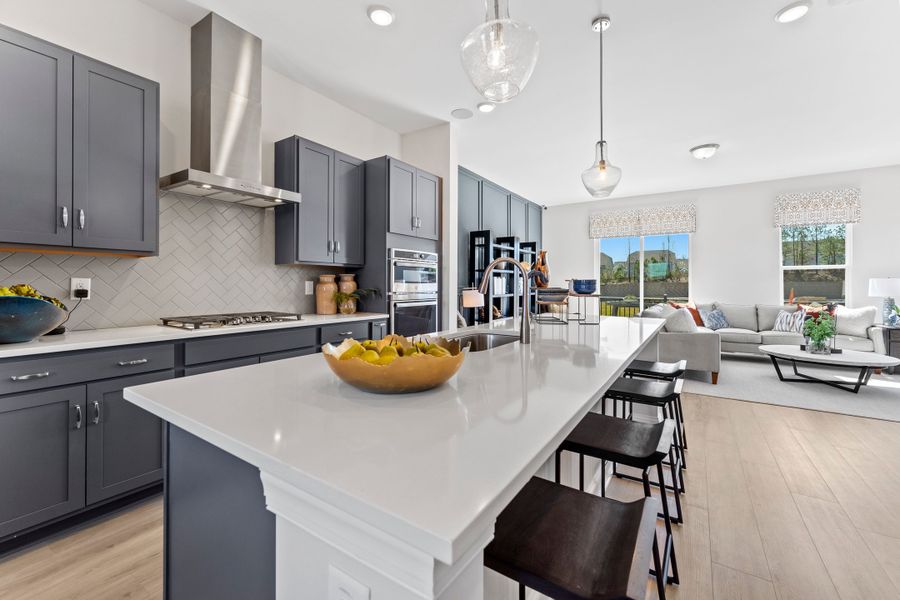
343	587
80	283
310	288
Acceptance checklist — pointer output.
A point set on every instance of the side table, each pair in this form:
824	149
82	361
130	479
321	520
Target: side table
891	344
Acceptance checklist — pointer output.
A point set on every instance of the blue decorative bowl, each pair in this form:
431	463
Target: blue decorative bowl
24	319
584	286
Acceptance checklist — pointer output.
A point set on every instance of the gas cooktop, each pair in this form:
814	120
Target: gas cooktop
244	318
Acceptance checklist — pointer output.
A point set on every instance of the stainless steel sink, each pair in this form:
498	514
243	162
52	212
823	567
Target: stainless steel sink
484	341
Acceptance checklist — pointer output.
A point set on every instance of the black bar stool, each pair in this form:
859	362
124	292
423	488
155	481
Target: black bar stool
659	394
664	371
571	545
638	445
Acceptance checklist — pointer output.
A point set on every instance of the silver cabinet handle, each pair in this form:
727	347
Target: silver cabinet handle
65	217
337	247
79	416
345	333
330	246
80	218
418	223
30	376
133	363
414	221
96	418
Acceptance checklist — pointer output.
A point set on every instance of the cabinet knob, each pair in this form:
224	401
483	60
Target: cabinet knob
65	217
96	418
79	416
337	247
81	218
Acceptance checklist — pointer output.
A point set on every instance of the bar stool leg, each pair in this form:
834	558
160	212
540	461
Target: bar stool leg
521	592
680	408
603	478
675	485
670	542
556	465
657	570
679	442
581	472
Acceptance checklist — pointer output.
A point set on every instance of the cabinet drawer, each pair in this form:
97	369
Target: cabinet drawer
75	367
895	335
248	344
287	354
335	334
221	365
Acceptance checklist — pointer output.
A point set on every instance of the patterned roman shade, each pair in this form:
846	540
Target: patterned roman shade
656	220
829	207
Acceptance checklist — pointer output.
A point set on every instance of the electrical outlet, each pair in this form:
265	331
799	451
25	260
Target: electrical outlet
343	587
310	288
81	285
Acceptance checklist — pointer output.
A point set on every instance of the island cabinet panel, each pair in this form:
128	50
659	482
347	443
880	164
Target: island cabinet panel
219	536
42	441
124	442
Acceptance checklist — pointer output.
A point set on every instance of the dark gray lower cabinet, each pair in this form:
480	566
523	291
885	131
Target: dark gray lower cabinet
124	442
287	354
42	441
378	330
221	365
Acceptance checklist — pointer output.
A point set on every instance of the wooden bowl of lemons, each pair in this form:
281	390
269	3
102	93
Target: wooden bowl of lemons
395	365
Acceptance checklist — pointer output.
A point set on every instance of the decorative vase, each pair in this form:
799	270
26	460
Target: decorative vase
347	285
822	347
325	289
541	267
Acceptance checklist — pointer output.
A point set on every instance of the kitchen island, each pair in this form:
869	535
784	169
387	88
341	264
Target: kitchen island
393	494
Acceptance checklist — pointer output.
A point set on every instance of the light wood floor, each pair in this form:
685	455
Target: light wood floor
782	504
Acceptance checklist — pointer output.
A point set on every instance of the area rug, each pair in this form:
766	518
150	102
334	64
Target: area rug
752	378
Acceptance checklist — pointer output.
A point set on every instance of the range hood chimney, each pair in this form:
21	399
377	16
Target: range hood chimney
226	119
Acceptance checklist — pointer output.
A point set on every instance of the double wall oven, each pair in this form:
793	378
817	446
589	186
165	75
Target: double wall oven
414	292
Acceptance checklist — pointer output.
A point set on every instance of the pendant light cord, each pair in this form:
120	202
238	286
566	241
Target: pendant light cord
601	84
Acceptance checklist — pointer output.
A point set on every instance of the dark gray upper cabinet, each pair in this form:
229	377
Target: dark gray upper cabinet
494	209
469	220
124	443
36	142
401	197
518	217
42	444
428	195
535	223
349	214
116	159
326	227
79	151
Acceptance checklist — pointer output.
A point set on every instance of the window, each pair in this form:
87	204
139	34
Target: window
814	261
639	271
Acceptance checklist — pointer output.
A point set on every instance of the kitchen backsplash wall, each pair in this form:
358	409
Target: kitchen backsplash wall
214	257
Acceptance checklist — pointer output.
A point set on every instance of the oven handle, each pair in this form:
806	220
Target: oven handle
415	263
413	303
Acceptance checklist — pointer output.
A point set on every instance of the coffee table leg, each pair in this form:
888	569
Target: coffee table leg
865	373
778	368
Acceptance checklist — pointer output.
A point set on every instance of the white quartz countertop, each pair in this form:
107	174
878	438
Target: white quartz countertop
429	468
123	336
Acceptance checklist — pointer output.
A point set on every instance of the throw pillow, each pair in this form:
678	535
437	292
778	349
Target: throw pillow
658	311
695	313
714	319
681	321
814	310
790	321
854	321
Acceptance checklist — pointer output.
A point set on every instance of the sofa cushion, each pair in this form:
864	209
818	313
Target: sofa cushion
739	335
714	319
740	316
782	337
766	314
852	342
681	321
855	321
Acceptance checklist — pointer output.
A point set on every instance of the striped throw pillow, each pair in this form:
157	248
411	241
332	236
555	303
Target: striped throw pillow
790	321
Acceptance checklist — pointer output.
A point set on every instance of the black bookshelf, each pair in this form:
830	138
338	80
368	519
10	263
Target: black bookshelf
503	292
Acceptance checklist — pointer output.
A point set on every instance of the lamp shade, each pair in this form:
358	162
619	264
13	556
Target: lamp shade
885	287
472	299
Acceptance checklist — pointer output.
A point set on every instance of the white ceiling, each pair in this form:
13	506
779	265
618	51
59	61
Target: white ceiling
815	96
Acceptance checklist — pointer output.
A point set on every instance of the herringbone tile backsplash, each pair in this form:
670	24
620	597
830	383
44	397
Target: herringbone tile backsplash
213	257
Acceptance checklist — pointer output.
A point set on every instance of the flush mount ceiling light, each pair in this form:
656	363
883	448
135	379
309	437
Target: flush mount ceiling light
381	15
461	113
704	151
792	12
601	178
500	54
486	107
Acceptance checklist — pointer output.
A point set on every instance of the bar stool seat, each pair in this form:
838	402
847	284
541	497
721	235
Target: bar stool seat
571	545
656	370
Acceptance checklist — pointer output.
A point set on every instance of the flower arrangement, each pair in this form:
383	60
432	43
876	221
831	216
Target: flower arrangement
347	301
819	329
894	320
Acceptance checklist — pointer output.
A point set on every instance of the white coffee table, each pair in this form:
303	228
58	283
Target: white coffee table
863	362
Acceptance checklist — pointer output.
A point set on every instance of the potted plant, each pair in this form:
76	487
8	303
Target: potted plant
894	321
819	330
346	301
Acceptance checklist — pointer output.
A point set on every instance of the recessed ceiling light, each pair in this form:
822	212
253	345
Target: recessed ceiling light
381	15
793	12
486	107
705	151
461	113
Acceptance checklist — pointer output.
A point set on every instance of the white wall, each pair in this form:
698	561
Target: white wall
734	253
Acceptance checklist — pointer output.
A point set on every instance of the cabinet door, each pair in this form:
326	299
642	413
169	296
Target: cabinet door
349	210
469	221
116	158
42	445
36	141
518	217
401	197
315	177
124	442
494	209
535	221
428	205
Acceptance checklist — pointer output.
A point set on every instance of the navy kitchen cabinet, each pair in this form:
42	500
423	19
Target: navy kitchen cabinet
327	227
79	154
535	224
469	220
494	209
410	197
428	197
518	218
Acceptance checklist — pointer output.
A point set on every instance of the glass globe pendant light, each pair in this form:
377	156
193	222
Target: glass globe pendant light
500	54
602	177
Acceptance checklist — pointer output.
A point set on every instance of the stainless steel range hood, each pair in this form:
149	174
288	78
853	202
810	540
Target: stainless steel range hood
226	119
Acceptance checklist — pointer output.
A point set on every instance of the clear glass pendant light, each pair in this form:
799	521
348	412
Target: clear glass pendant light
499	55
602	177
